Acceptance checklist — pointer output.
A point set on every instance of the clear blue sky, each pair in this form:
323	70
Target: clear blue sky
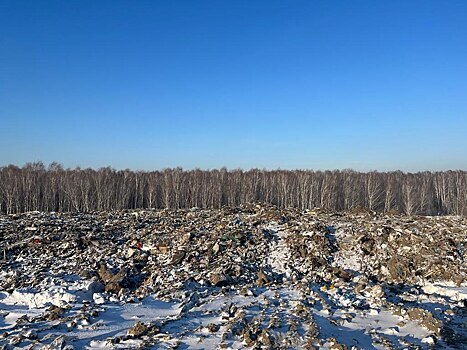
268	84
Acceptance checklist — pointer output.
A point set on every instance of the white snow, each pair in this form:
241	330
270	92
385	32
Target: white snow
386	323
53	296
279	252
445	289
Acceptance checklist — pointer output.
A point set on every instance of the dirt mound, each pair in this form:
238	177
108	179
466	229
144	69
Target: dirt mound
268	277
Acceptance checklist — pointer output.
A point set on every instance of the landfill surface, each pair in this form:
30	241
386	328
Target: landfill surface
249	277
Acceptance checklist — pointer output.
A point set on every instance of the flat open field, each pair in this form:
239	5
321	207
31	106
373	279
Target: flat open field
254	276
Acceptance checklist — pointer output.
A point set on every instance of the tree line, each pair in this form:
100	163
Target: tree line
53	188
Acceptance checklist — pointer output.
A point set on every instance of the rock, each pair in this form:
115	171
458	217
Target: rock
335	345
398	269
219	279
105	275
266	339
249	337
212	327
54	312
138	330
262	279
163	249
425	319
178	257
113	283
293	326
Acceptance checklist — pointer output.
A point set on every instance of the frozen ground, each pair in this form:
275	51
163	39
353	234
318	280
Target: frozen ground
325	297
293	317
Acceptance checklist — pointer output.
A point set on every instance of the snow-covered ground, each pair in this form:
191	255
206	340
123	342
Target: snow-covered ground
287	313
310	292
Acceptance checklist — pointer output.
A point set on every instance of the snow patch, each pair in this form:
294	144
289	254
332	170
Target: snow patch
57	296
452	292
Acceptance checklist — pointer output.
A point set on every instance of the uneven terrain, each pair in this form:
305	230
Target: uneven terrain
249	277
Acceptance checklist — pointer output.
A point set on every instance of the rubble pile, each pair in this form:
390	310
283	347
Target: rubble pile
254	276
406	250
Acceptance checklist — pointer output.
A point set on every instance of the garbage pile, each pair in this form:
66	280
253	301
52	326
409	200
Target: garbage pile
254	276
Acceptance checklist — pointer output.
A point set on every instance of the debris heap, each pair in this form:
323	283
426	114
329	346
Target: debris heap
253	276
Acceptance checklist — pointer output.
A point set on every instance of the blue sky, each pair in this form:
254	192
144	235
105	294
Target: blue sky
250	84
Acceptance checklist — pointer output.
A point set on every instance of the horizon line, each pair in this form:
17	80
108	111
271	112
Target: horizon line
224	168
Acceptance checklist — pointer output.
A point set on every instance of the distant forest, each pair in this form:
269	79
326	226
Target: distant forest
53	188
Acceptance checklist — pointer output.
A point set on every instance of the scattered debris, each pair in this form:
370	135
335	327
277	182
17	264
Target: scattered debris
255	276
